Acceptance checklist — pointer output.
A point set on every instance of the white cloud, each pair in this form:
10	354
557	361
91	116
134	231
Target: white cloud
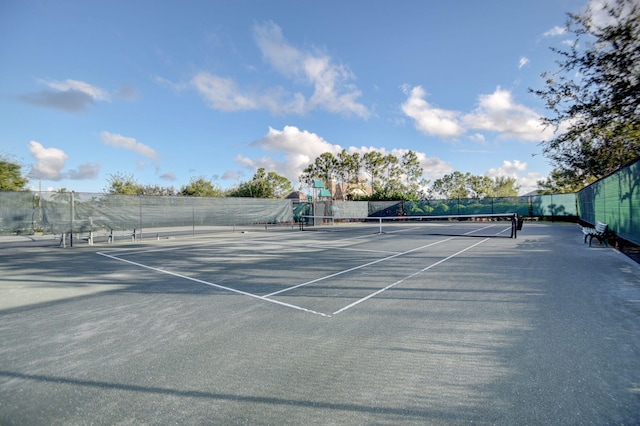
430	120
516	169
119	141
523	62
600	17
332	90
330	82
85	171
223	93
49	162
283	57
508	169
478	138
94	92
555	31
301	147
67	95
497	112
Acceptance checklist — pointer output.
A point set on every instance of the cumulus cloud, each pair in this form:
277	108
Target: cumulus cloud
301	147
330	83
130	144
508	169
50	163
497	112
67	95
428	119
516	169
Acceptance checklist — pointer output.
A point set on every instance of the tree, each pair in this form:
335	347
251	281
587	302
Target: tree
123	184
559	182
323	168
263	185
594	96
373	165
457	185
158	190
451	186
413	175
505	187
11	178
200	187
479	186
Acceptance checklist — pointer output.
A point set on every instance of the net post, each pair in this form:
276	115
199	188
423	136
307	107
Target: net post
380	222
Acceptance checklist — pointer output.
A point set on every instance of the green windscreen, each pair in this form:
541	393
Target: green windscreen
614	200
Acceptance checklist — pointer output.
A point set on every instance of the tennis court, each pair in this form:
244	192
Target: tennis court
439	322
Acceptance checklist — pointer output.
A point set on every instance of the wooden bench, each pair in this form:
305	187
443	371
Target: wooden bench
599	232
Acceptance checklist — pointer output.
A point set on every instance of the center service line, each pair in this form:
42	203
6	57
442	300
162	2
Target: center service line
355	268
407	277
264	298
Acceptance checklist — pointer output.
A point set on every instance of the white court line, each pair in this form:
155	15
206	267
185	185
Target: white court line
407	277
323	246
370	263
356	268
264	298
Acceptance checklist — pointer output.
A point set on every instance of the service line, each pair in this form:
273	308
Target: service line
407	277
233	290
358	267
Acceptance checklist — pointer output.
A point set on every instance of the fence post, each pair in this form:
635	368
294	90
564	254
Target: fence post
72	215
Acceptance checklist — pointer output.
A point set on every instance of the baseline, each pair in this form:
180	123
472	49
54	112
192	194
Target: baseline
233	290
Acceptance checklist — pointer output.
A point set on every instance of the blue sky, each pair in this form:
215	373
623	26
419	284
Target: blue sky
175	90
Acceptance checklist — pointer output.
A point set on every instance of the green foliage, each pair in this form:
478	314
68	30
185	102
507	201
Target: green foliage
200	187
263	185
11	178
562	182
505	187
390	177
126	184
158	190
123	184
594	97
457	185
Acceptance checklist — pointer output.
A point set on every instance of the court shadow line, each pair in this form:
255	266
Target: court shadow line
400	411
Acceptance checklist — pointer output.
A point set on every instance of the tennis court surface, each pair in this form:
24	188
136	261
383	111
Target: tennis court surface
416	323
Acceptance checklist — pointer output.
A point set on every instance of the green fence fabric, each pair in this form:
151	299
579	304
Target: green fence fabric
614	200
57	213
537	205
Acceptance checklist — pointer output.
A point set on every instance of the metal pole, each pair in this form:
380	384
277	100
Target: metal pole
72	215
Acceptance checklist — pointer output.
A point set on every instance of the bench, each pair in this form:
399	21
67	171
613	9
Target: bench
599	232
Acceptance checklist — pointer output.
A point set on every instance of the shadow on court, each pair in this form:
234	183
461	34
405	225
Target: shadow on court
540	329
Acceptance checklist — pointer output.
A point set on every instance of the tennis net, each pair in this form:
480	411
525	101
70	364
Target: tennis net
504	225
